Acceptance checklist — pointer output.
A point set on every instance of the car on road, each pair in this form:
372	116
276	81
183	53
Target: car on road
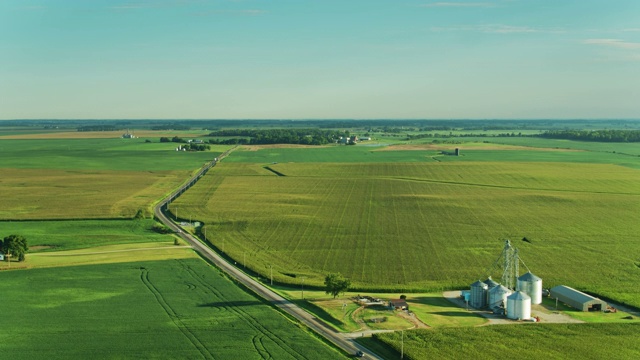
359	354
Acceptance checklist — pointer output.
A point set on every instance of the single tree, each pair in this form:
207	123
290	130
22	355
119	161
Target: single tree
336	284
15	246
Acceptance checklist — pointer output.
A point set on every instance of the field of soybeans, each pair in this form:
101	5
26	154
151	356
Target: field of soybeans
539	341
171	309
423	225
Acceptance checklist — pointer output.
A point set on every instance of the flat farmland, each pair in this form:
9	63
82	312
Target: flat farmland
59	235
171	309
526	341
425	226
90	178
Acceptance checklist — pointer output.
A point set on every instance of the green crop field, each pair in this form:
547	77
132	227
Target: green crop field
424	225
175	309
45	236
90	178
526	341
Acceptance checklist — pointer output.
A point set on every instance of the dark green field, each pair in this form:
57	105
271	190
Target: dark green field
534	341
174	309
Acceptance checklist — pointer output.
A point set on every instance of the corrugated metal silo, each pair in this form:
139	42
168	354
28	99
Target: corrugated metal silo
519	306
490	285
532	286
478	295
498	296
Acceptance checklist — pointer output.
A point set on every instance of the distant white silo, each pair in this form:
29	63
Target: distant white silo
532	286
498	296
519	306
478	295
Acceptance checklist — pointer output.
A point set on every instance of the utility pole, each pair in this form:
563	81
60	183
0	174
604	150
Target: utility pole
303	288
402	345
244	259
271	267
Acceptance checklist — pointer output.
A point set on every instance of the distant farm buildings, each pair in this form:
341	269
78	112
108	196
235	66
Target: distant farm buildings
577	299
128	135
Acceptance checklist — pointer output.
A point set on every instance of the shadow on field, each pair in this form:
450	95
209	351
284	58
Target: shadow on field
455	314
432	301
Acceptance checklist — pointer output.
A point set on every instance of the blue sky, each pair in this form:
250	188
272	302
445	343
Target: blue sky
298	59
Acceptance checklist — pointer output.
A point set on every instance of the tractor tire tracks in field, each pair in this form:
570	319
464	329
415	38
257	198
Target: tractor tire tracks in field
249	319
144	276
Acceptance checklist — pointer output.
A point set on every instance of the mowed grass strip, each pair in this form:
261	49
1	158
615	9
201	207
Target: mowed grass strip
408	226
172	309
103	255
524	341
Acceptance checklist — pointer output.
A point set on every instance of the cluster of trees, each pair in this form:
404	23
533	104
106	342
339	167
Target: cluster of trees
98	128
187	145
594	135
171	126
174	139
14	246
277	136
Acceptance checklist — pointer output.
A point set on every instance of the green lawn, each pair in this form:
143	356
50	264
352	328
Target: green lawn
174	309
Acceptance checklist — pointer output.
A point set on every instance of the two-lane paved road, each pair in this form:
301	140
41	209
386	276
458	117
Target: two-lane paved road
309	320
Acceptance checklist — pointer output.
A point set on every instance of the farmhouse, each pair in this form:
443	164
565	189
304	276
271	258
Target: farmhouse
577	299
399	304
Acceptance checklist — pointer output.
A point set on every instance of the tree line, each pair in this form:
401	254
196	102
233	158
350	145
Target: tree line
276	136
594	135
186	145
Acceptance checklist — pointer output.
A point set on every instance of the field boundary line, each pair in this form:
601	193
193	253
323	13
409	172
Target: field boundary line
508	187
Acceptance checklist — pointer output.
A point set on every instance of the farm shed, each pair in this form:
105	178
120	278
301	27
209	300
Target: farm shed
577	299
399	304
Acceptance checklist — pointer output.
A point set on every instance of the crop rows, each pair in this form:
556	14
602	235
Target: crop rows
547	341
160	309
425	226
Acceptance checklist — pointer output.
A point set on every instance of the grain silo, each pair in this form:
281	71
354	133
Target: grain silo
532	286
478	294
519	306
498	296
490	285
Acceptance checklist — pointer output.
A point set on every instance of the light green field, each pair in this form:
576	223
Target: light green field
90	178
44	236
104	255
173	309
419	226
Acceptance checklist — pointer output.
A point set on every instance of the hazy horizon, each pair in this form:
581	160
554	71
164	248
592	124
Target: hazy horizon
310	60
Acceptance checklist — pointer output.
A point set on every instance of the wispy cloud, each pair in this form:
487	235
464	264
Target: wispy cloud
497	29
615	43
245	12
458	4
